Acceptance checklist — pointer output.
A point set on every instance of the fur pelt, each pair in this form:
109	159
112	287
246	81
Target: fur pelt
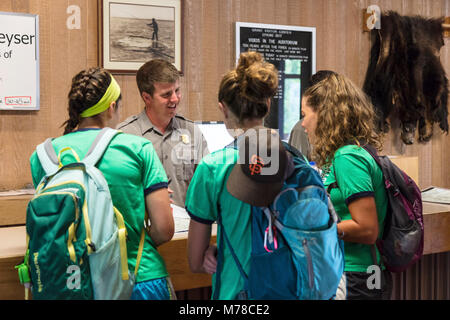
405	77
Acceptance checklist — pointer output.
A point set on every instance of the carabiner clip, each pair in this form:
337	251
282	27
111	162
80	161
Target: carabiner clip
274	238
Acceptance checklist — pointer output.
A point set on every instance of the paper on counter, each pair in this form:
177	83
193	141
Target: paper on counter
179	212
436	195
181	218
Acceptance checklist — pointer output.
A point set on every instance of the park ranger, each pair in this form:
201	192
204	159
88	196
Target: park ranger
178	142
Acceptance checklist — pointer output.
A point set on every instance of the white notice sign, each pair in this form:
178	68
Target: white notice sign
19	61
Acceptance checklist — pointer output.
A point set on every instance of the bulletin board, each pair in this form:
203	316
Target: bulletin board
19	61
292	49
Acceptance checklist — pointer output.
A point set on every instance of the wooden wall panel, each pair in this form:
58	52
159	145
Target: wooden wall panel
208	34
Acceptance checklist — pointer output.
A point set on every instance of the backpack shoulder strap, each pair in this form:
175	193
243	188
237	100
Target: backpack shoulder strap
294	151
99	146
232	144
47	156
373	152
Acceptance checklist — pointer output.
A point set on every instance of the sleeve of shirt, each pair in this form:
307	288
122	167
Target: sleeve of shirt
353	177
154	176
201	197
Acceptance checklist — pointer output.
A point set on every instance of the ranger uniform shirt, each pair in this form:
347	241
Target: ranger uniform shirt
180	148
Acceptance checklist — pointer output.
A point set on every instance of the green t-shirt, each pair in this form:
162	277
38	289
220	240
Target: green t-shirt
132	170
206	195
358	176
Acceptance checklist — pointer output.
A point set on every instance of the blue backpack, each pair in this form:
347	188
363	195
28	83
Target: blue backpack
296	253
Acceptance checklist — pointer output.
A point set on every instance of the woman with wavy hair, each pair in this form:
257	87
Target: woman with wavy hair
339	119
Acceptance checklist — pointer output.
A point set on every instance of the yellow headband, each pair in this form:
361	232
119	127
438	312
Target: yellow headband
111	94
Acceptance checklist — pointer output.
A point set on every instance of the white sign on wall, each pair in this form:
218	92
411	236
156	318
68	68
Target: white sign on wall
19	61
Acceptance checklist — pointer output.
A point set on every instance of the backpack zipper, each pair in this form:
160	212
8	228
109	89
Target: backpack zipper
63	183
309	261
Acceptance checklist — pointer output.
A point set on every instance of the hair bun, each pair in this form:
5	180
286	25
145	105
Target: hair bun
246	60
258	80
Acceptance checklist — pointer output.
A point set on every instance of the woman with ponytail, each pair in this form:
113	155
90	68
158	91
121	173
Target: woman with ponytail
244	100
135	176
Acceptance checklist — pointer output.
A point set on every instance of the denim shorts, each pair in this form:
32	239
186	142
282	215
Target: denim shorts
156	289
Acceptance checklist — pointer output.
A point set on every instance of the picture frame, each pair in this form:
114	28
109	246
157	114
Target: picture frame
133	32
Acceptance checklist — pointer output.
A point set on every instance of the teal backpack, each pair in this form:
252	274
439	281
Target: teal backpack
296	253
76	237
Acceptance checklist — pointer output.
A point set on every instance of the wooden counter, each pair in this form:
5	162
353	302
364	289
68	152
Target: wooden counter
437	227
174	253
13	209
12	248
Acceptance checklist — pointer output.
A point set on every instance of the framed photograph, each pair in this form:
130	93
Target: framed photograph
135	31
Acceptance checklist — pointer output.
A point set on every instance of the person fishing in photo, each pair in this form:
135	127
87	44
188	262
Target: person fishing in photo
154	25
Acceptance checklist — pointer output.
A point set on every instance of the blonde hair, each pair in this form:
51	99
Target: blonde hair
245	90
344	116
